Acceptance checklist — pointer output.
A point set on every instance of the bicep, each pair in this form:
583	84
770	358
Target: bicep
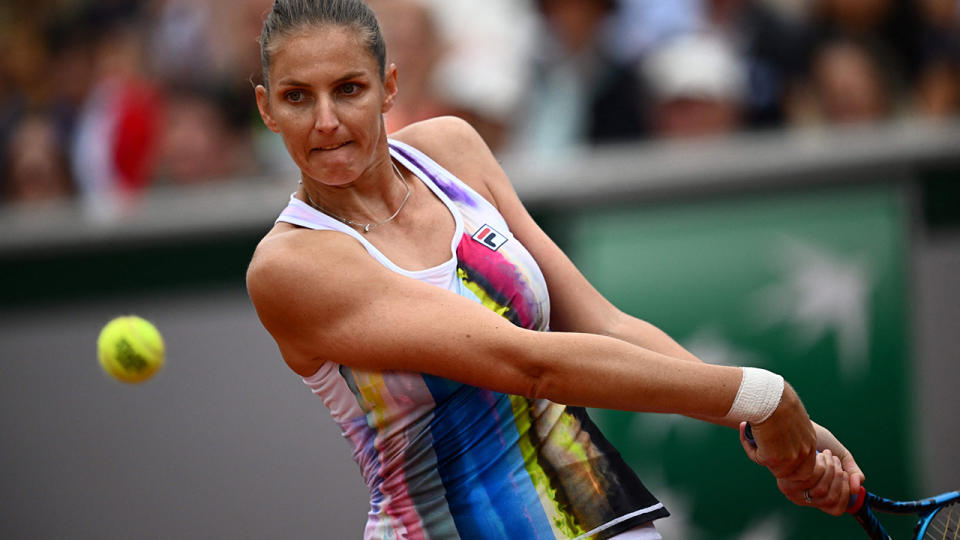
357	313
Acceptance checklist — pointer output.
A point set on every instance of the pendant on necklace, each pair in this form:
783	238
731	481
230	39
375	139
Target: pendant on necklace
366	228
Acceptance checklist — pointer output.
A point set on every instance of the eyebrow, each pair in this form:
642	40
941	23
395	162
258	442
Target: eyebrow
347	77
351	75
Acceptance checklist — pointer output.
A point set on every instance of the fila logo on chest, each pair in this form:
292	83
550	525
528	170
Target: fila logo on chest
490	237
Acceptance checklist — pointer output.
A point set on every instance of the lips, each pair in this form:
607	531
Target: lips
331	147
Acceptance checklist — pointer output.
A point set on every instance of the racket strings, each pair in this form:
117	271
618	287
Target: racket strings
944	524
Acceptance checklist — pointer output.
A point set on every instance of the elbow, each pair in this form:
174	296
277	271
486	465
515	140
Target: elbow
532	367
521	374
616	324
535	387
540	382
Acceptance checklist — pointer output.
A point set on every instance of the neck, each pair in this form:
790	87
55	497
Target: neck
383	208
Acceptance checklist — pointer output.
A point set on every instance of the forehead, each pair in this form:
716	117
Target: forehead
313	49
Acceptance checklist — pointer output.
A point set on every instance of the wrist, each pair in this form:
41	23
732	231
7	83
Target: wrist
758	397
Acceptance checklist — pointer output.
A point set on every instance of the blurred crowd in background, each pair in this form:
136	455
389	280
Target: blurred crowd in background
110	98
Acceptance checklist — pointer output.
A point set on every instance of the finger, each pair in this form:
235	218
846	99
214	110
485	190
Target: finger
829	465
839	499
842	494
857	478
838	495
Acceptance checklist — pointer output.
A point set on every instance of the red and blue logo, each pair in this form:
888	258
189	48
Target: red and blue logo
490	237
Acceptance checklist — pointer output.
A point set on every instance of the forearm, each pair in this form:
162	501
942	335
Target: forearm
603	372
644	334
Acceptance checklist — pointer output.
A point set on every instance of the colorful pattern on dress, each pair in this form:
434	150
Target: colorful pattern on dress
446	460
496	282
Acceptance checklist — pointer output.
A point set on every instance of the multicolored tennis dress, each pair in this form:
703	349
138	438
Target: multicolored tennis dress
445	460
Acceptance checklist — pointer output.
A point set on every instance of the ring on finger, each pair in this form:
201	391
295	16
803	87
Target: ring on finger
806	496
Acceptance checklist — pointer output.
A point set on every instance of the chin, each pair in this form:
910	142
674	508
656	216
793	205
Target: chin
331	175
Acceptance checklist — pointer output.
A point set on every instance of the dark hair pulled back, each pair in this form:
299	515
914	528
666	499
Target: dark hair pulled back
288	16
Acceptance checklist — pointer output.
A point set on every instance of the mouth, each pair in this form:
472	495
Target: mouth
331	147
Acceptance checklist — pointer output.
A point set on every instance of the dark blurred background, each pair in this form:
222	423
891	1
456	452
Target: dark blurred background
112	98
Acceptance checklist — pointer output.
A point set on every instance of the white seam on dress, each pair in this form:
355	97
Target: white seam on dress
620	519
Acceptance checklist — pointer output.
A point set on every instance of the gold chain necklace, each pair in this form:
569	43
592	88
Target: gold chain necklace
364	227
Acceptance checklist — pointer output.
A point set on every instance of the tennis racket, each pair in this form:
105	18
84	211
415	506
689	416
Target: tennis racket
939	516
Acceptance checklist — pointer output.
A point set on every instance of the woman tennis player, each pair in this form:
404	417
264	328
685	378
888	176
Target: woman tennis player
407	285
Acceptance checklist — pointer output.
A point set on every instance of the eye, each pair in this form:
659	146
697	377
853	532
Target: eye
294	96
349	89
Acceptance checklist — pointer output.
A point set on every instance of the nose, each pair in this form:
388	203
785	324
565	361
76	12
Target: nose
325	116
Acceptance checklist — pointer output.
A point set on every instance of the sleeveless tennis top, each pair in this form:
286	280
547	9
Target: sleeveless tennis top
445	460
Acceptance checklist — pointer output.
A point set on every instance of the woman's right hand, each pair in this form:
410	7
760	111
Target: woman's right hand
785	443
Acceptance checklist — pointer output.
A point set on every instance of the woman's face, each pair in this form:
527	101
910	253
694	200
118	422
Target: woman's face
326	100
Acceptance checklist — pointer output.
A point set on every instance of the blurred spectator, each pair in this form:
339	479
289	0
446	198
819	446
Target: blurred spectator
36	164
122	94
484	72
20	66
698	87
119	124
581	94
773	49
937	92
887	29
206	40
643	25
70	71
855	17
235	27
415	45
848	86
22	70
181	42
205	54
771	40
200	139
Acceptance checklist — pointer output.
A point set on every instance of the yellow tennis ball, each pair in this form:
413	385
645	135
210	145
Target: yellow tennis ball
130	349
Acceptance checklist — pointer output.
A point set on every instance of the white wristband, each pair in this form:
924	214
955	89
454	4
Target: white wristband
759	395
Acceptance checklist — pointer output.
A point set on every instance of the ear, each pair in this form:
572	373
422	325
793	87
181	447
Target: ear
263	104
391	89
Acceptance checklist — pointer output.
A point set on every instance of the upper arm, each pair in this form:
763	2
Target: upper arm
327	299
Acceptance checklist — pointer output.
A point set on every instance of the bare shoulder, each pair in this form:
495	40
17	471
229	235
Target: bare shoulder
289	256
456	146
277	252
296	280
441	137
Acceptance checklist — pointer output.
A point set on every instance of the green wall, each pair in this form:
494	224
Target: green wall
811	284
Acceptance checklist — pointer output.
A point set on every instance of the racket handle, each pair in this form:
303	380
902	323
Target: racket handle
856	499
866	518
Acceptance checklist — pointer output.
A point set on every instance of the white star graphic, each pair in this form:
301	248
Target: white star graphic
709	344
821	292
